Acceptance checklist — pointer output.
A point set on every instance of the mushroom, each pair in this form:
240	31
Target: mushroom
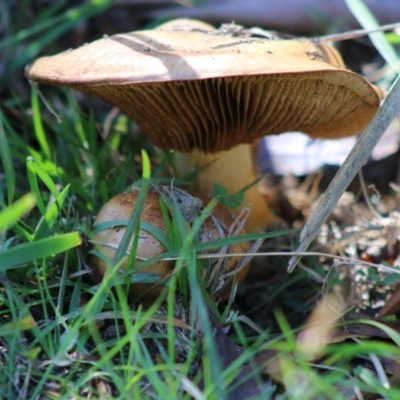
209	94
219	225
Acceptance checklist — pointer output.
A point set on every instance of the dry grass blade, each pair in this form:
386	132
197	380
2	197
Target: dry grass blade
349	169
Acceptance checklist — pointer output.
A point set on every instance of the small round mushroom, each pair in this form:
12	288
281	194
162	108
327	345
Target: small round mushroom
209	94
216	226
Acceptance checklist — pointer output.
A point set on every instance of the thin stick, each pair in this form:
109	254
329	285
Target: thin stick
35	87
354	161
336	37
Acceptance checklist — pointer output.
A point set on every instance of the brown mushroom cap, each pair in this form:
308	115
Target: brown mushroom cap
221	90
121	207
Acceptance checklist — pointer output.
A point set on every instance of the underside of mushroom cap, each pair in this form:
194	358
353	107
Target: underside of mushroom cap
208	91
217	114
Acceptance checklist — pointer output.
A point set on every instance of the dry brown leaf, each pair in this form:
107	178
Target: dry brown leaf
312	340
320	328
269	363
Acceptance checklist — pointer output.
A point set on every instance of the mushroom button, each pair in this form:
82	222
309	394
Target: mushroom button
219	225
209	94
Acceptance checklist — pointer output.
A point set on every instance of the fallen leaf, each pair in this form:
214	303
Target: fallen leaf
320	328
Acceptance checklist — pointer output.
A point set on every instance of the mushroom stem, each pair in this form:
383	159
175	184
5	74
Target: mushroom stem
233	169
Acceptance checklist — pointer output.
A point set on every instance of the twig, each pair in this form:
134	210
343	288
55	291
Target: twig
336	37
354	161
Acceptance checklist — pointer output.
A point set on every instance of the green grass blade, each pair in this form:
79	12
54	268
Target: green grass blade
51	215
82	132
19	325
217	243
28	252
134	222
71	15
367	20
168	224
54	28
6	160
10	215
201	247
146	165
157	233
38	125
34	184
41	172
